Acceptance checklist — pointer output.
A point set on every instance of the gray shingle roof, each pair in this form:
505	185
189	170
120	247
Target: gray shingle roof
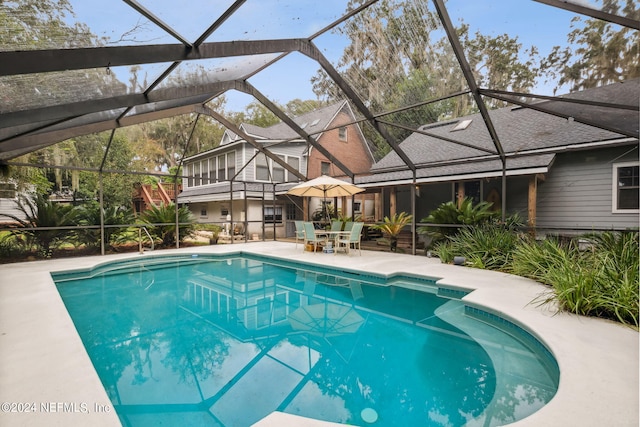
519	130
314	121
486	168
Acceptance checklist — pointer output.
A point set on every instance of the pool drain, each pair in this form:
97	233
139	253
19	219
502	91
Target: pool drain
369	415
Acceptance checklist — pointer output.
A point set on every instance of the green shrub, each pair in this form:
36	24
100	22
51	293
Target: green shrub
444	250
535	259
617	275
602	282
161	220
11	246
488	246
89	214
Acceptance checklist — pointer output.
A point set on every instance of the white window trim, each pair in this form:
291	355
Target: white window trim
614	188
270	164
288	176
255	167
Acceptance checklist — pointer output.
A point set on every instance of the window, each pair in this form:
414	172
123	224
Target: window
222	168
626	185
262	168
291	211
231	164
342	133
196	173
324	168
294	162
203	212
190	175
224	211
204	172
273	214
278	171
213	169
269	170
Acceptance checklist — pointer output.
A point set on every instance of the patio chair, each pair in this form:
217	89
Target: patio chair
352	239
336	225
310	236
348	225
299	232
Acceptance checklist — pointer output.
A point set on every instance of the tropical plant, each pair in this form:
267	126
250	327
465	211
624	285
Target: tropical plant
449	215
392	226
161	222
40	220
602	282
89	214
326	211
487	246
11	246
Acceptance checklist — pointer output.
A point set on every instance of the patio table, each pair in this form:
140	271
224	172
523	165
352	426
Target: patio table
332	235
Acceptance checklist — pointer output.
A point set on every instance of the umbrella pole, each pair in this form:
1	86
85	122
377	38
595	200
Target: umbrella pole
324	207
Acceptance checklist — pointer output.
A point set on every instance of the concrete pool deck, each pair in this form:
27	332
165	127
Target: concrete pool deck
47	379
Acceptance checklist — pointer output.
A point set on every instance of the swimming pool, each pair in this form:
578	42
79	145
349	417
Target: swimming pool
224	341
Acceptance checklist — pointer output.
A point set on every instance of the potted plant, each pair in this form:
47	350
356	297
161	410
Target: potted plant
391	228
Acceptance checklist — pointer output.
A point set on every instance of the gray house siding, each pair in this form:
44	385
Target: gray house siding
577	193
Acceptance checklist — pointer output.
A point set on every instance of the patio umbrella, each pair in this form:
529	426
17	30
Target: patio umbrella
326	319
325	186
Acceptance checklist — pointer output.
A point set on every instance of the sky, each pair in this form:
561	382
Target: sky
533	23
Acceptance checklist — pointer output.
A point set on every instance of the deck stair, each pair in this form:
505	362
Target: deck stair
147	195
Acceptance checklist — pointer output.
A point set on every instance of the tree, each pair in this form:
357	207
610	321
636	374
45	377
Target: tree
41	24
398	57
118	186
599	53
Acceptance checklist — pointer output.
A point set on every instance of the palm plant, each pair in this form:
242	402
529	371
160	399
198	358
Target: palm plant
450	214
392	226
41	213
161	222
113	215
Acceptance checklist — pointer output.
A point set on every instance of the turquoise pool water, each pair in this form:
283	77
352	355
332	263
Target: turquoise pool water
210	341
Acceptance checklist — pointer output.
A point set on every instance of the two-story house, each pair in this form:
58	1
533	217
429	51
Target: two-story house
235	183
